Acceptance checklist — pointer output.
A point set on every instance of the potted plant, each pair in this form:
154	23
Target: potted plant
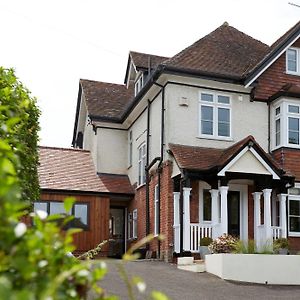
281	246
203	247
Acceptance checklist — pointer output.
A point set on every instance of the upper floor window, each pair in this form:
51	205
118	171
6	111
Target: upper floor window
292	61
138	84
214	115
142	164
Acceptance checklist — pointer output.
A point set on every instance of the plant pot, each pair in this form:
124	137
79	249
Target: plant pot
283	251
203	251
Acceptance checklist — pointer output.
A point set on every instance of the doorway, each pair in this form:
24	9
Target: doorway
116	232
233	206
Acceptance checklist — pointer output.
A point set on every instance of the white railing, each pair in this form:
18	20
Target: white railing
197	232
276	232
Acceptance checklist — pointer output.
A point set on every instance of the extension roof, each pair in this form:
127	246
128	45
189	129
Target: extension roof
73	170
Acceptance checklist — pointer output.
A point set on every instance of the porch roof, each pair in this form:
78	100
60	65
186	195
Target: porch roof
213	160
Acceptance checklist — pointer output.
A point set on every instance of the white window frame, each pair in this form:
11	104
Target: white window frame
139	84
130	148
278	117
293	198
129	225
134	224
156	210
297	72
141	164
215	105
203	186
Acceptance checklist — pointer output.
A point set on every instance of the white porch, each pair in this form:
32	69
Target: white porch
268	223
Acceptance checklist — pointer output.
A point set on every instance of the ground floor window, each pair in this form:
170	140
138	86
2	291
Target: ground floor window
294	215
206	205
132	224
80	212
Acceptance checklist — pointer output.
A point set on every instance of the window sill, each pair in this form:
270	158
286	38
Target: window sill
132	239
294	234
292	73
223	139
140	186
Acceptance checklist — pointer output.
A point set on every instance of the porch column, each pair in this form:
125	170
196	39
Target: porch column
282	214
224	214
267	215
186	218
257	214
176	225
214	212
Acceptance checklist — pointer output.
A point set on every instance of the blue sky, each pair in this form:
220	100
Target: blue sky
52	44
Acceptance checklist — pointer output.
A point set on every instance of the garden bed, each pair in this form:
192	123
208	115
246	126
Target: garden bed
255	268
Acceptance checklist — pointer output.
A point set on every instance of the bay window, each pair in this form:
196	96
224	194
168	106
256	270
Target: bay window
214	115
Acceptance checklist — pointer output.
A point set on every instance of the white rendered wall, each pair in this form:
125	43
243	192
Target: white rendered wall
90	143
112	151
248	118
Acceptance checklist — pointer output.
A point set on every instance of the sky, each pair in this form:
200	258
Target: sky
51	44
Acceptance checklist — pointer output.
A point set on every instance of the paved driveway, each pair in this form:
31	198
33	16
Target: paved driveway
182	285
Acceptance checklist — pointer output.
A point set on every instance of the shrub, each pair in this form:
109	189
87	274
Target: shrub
205	241
223	244
281	243
245	247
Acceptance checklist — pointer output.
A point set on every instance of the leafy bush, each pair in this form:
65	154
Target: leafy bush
205	241
248	247
223	244
281	243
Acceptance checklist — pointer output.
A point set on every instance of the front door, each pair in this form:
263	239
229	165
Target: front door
233	205
116	232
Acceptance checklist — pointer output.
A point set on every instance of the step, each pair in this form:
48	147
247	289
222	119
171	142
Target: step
196	267
183	261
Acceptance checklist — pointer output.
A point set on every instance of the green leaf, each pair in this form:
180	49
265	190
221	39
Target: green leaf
68	203
156	295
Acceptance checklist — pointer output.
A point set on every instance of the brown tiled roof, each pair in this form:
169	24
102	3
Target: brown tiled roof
288	90
106	99
141	60
226	51
206	159
116	183
68	169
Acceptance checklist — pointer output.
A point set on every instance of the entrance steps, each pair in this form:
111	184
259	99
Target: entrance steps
190	264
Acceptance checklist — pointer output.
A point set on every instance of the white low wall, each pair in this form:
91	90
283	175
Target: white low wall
256	268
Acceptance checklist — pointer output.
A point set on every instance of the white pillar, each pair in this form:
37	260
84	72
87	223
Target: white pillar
224	213
257	216
186	219
282	214
176	225
267	215
214	212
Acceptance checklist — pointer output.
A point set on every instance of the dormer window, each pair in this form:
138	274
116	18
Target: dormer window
139	84
292	61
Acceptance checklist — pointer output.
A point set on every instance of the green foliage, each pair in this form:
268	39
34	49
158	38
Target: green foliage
281	243
205	241
223	244
245	247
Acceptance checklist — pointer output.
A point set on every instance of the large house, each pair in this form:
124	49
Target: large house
209	140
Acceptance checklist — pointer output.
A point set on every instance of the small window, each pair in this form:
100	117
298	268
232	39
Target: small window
277	111
80	216
40	206
139	84
293	131
294	216
57	208
294	109
294	191
134	224
292	56
142	164
156	210
206	205
223	99
223	122
207	97
277	132
207	120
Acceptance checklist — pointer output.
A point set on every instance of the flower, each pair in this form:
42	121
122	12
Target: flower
42	263
83	273
41	214
223	244
20	229
141	286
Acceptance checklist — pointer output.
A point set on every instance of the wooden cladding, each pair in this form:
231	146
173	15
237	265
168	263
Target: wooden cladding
98	220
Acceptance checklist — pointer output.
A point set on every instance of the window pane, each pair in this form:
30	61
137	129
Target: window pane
223	99
294	124
206	113
294	131
294	208
295	224
207	127
277	111
294	109
223	129
277	132
40	206
57	208
223	115
80	213
206	206
292	60
207	97
294	191
293	137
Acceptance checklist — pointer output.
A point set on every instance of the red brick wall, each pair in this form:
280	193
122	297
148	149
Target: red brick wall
275	77
294	243
289	160
194	204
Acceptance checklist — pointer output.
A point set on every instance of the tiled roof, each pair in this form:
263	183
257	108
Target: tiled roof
141	60
226	51
206	159
73	170
116	183
288	90
68	169
106	99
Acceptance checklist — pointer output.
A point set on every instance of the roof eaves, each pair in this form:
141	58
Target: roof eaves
77	114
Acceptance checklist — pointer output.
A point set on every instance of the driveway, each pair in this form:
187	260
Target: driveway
181	285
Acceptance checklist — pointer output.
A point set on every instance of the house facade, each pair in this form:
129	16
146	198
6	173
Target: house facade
208	139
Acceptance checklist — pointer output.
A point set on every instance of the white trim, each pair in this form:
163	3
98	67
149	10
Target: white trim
272	61
258	157
156	211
